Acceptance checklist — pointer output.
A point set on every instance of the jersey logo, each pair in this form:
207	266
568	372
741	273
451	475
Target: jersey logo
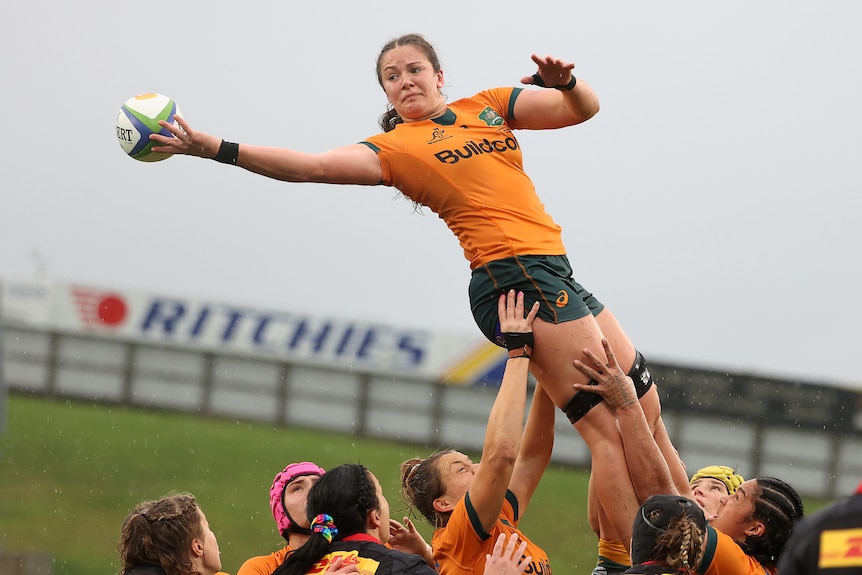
438	135
491	117
365	564
473	148
840	548
562	298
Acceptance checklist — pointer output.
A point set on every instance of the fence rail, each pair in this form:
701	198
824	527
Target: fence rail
730	428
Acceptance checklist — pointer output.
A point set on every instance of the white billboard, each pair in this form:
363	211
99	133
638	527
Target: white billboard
228	327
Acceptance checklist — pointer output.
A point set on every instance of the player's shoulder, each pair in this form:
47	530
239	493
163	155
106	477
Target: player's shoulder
489	95
264	564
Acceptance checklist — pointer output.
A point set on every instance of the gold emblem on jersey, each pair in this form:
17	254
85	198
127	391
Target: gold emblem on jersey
562	298
438	135
491	117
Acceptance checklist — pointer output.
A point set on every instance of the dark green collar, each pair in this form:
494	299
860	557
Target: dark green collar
447	119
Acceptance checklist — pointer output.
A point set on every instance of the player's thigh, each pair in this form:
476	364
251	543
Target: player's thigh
557	345
623	348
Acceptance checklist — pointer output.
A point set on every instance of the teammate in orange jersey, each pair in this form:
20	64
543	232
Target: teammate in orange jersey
463	161
471	504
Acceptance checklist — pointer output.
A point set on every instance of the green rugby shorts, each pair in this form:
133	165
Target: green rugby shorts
546	279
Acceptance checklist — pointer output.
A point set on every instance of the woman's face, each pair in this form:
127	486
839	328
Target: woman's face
707	492
383	529
411	84
456	472
211	559
735	513
296	496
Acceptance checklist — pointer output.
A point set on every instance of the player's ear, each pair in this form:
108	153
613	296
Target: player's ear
374	518
197	548
441	505
756	529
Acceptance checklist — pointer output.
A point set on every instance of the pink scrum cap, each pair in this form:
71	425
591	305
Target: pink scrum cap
279	484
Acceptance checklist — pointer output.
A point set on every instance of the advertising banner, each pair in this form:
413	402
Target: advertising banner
295	335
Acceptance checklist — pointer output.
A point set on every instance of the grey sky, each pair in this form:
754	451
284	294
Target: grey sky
713	204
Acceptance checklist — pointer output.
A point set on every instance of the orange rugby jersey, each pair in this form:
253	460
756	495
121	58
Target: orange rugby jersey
265	564
460	548
466	166
724	557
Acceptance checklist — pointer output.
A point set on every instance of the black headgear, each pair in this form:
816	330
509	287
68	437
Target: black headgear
653	518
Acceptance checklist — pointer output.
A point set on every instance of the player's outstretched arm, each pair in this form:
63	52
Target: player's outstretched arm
354	164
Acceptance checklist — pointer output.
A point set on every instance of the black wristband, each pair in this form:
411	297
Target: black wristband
518	340
228	153
538	81
567	86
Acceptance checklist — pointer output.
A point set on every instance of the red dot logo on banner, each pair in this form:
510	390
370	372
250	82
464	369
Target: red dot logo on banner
98	308
112	310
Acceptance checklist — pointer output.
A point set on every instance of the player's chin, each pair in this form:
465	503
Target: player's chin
413	109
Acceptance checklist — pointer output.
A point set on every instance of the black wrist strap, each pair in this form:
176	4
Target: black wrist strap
228	153
519	344
538	81
518	340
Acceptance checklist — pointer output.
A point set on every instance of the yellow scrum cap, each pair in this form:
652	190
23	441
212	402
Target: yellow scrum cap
723	473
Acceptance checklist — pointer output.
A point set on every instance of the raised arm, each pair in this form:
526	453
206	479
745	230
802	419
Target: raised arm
571	103
354	164
647	467
506	420
537	445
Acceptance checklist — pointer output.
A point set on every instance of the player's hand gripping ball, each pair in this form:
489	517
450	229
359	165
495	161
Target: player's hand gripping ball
138	118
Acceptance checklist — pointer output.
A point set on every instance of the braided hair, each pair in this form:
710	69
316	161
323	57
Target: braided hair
345	495
680	546
159	533
778	506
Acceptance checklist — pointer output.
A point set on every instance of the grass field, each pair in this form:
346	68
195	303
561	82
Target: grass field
70	471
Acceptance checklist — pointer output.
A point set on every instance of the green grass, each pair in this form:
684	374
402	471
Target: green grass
70	471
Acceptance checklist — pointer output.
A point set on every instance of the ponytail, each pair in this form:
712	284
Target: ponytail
338	505
680	546
390	119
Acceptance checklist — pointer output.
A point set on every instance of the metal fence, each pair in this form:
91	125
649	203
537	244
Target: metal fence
708	423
